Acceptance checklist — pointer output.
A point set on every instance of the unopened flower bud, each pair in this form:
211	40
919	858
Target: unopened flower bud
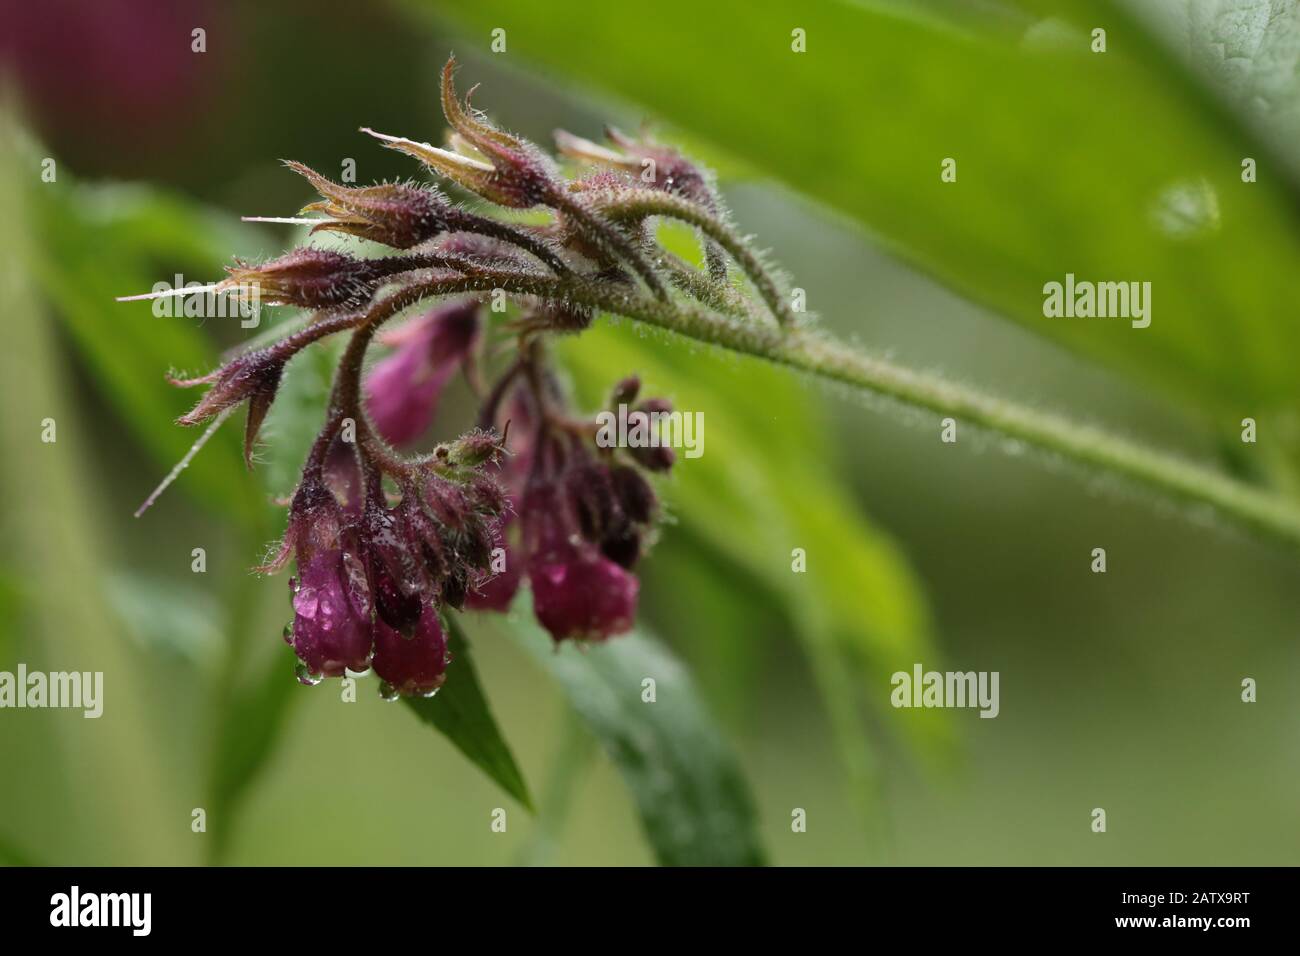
635	496
413	665
577	592
399	215
306	278
592	499
393	572
474	448
331	625
625	391
512	172
255	377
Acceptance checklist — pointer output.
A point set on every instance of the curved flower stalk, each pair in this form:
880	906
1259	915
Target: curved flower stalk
386	543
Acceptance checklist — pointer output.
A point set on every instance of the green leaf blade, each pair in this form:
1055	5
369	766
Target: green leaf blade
460	712
690	793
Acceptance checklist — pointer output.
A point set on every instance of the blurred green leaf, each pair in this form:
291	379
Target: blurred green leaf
51	523
694	803
250	719
167	615
98	242
11	855
460	712
1247	51
1048	184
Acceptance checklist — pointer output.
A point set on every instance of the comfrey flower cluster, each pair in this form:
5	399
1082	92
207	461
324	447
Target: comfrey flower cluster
385	542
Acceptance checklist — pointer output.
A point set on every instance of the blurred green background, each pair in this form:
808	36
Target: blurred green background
1119	691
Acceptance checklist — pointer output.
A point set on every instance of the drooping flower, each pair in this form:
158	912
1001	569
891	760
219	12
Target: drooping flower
331	628
577	592
402	391
413	664
385	543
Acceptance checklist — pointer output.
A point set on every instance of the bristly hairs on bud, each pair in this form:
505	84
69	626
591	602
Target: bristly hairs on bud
385	541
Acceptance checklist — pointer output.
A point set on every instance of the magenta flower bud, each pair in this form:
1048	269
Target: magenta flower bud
414	665
577	592
496	593
331	624
402	391
583	596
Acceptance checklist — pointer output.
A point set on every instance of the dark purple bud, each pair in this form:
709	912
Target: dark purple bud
255	377
625	391
476	543
662	167
516	174
658	458
399	215
455	588
331	624
635	497
395	575
592	499
653	457
448	502
622	546
487	495
308	279
414	664
402	390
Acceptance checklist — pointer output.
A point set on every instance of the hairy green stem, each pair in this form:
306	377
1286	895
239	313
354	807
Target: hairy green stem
824	357
639	203
607	236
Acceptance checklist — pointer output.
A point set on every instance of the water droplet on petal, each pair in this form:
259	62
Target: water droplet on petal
306	675
430	693
388	692
288	633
